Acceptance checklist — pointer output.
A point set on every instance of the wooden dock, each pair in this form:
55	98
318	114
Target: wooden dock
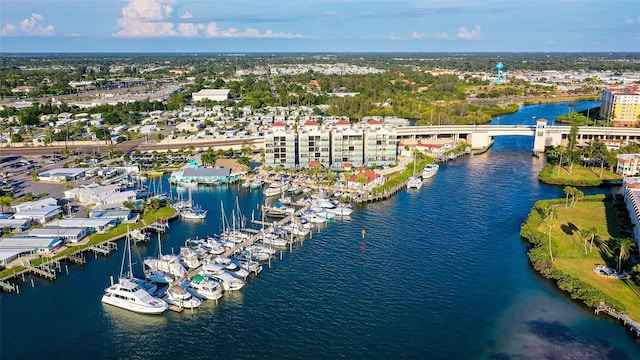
104	248
77	259
633	325
382	196
7	286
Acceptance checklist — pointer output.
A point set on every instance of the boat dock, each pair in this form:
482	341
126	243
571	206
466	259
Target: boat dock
104	248
633	325
383	195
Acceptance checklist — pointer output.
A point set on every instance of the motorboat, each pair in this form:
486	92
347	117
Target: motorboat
179	296
276	188
256	184
277	210
226	280
429	171
195	213
341	210
126	294
232	267
189	257
169	264
204	287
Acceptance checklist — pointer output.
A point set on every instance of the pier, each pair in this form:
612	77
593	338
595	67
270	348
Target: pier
104	248
633	325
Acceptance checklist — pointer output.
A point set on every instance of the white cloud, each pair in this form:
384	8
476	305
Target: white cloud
152	18
190	30
463	33
30	26
443	36
212	30
417	35
9	30
628	21
143	18
394	38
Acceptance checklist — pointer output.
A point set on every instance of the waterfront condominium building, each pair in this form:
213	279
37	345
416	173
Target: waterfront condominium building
380	143
347	144
628	164
313	145
621	104
280	146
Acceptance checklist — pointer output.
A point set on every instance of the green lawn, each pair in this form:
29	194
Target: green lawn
579	175
569	255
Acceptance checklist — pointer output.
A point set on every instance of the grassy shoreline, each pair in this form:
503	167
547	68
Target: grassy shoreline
573	257
578	176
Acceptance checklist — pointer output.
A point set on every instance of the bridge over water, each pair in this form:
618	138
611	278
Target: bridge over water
481	136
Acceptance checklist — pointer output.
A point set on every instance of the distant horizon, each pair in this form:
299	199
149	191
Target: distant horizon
241	53
283	26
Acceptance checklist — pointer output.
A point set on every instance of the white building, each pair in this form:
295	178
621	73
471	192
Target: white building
380	144
68	235
314	143
34	205
41	215
280	146
631	192
628	164
91	194
211	94
347	145
91	225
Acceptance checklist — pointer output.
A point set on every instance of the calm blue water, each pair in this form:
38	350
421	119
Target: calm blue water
442	273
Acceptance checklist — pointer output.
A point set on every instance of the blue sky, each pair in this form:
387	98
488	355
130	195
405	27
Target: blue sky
319	25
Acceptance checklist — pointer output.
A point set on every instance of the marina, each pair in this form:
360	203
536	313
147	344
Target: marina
345	294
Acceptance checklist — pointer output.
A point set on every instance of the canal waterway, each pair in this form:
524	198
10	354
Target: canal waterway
442	273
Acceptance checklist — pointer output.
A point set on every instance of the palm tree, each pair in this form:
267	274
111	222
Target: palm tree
624	250
592	232
568	190
584	235
577	196
551	214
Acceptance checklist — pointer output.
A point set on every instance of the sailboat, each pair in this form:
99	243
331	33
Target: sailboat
156	270
414	181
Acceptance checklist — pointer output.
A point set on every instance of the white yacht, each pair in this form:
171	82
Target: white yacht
232	267
340	210
179	296
429	171
189	257
217	272
204	287
276	188
128	295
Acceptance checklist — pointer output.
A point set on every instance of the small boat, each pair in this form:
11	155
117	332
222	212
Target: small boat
276	188
203	287
429	171
179	296
126	294
194	212
256	184
232	267
226	280
341	211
